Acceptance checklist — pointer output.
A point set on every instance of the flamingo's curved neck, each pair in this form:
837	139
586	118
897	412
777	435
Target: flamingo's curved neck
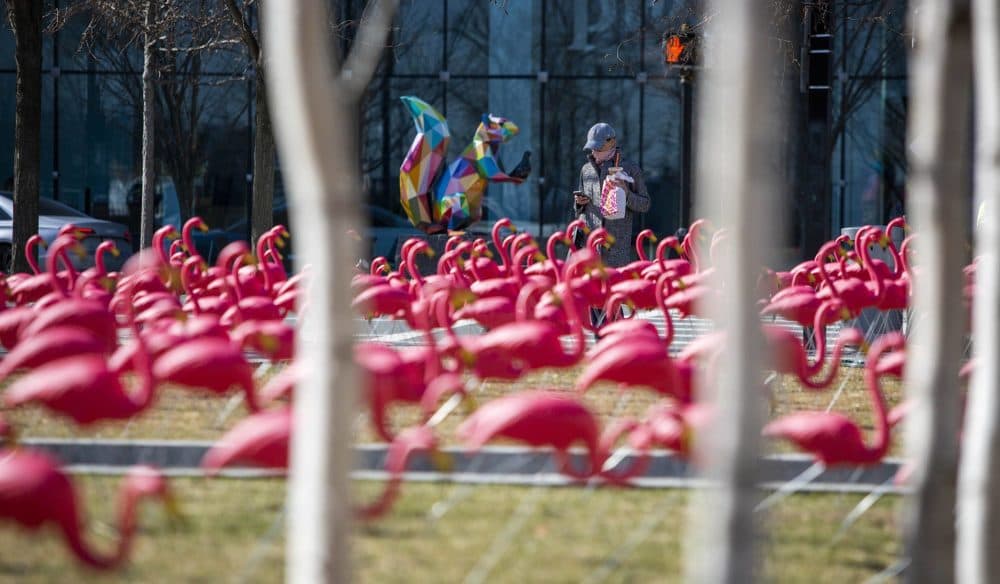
640	249
661	255
189	285
236	285
615	301
821	264
99	262
161	253
663	284
880	446
518	266
573	316
501	249
440	305
904	258
873	274
263	260
691	251
29	253
550	250
186	237
819	328
813	369
411	265
57	252
73	532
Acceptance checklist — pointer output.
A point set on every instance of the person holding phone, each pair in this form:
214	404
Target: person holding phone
604	154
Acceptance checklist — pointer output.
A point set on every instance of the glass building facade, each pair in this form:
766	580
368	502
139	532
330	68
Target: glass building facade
554	67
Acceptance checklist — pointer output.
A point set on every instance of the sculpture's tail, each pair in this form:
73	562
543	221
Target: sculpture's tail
425	117
423	163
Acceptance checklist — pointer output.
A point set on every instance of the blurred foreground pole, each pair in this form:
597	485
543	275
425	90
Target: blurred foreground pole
737	150
313	96
979	475
938	132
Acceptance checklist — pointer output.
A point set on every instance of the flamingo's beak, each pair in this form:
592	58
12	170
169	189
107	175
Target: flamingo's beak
429	252
566	240
249	259
462	296
653	238
811	278
609	241
864	347
679	249
78	251
43	244
538	257
107	283
884	241
172	235
115	252
202	227
845	314
279	241
386	267
268	342
512	227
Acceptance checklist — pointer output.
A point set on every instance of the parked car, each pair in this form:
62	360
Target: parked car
52	215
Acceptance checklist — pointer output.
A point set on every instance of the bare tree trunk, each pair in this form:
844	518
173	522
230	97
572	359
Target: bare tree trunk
939	130
262	204
312	112
738	146
25	18
263	163
148	208
979	472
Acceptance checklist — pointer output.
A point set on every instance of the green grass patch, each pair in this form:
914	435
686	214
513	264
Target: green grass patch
180	414
233	533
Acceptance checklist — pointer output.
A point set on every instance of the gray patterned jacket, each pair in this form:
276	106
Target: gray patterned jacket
637	201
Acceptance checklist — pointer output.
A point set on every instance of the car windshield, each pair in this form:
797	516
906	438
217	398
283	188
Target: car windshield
54	208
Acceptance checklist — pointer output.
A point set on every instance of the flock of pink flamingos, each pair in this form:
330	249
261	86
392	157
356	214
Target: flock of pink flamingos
192	325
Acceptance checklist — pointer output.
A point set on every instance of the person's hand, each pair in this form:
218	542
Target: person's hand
580	198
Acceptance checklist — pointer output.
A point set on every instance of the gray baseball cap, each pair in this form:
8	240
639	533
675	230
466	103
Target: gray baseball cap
599	135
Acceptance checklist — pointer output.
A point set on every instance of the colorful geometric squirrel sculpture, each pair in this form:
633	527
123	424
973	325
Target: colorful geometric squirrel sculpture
436	198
